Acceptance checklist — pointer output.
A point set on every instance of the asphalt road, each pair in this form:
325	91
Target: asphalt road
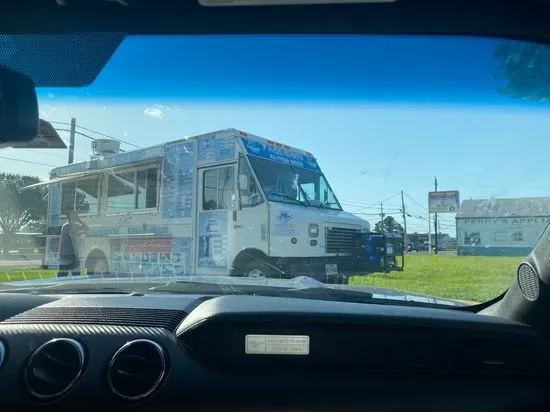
19	264
443	253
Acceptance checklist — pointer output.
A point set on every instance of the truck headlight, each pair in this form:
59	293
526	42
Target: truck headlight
313	229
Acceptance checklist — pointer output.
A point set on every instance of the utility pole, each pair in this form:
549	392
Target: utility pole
382	216
429	232
435	219
71	140
405	242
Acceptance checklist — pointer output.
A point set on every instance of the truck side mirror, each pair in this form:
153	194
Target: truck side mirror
243	182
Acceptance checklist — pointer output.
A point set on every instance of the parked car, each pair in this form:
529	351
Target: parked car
418	247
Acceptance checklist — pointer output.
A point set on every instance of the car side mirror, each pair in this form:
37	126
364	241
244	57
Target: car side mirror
18	109
47	138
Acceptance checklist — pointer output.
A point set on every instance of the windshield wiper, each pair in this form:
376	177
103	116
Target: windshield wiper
329	204
334	294
318	293
320	205
314	290
68	289
285	196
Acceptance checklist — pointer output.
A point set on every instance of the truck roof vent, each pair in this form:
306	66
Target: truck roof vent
105	147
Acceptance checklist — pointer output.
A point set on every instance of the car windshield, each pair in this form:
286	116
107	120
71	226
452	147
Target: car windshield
393	165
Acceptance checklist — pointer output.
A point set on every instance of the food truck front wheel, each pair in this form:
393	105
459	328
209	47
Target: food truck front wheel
258	269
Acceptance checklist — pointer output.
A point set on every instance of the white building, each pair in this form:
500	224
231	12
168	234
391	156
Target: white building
501	227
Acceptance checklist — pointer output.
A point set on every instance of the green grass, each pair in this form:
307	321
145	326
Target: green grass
467	278
11	275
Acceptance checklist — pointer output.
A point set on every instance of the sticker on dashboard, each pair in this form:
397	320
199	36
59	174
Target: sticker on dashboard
277	345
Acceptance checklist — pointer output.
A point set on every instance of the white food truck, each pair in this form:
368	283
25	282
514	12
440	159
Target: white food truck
222	203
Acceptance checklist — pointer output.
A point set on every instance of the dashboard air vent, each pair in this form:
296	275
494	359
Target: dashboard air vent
54	368
137	369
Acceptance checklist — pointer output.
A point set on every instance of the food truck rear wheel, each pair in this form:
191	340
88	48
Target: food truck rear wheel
257	269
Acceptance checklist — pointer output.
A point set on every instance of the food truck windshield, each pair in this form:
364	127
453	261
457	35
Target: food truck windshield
290	177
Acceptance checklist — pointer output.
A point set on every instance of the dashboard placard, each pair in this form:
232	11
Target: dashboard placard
297	345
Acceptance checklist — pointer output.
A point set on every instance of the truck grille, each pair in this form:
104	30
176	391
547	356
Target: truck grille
340	240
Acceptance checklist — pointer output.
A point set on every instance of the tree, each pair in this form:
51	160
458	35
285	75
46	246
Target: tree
20	207
524	70
389	225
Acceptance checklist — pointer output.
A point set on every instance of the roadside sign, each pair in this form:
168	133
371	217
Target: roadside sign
443	202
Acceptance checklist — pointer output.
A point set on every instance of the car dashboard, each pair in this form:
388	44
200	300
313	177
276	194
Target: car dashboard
193	352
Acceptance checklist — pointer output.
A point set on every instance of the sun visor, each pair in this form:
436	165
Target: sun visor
46	60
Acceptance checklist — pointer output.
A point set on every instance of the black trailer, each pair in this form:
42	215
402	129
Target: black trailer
395	249
372	253
381	252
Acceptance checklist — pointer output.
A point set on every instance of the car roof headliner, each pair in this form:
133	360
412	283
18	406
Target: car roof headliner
525	19
100	26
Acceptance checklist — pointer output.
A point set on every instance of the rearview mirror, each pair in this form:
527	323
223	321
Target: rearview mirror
18	109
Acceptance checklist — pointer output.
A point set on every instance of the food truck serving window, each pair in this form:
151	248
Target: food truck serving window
81	195
132	189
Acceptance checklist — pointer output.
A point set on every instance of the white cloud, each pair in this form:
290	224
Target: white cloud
154	111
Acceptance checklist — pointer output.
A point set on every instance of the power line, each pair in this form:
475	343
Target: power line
77	132
42	152
377	204
372	211
364	206
376	214
108	136
415	202
95	132
26	161
362	203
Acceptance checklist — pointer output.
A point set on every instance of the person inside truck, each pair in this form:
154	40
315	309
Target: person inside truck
287	185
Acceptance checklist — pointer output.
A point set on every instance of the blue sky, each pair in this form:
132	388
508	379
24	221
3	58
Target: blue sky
381	114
